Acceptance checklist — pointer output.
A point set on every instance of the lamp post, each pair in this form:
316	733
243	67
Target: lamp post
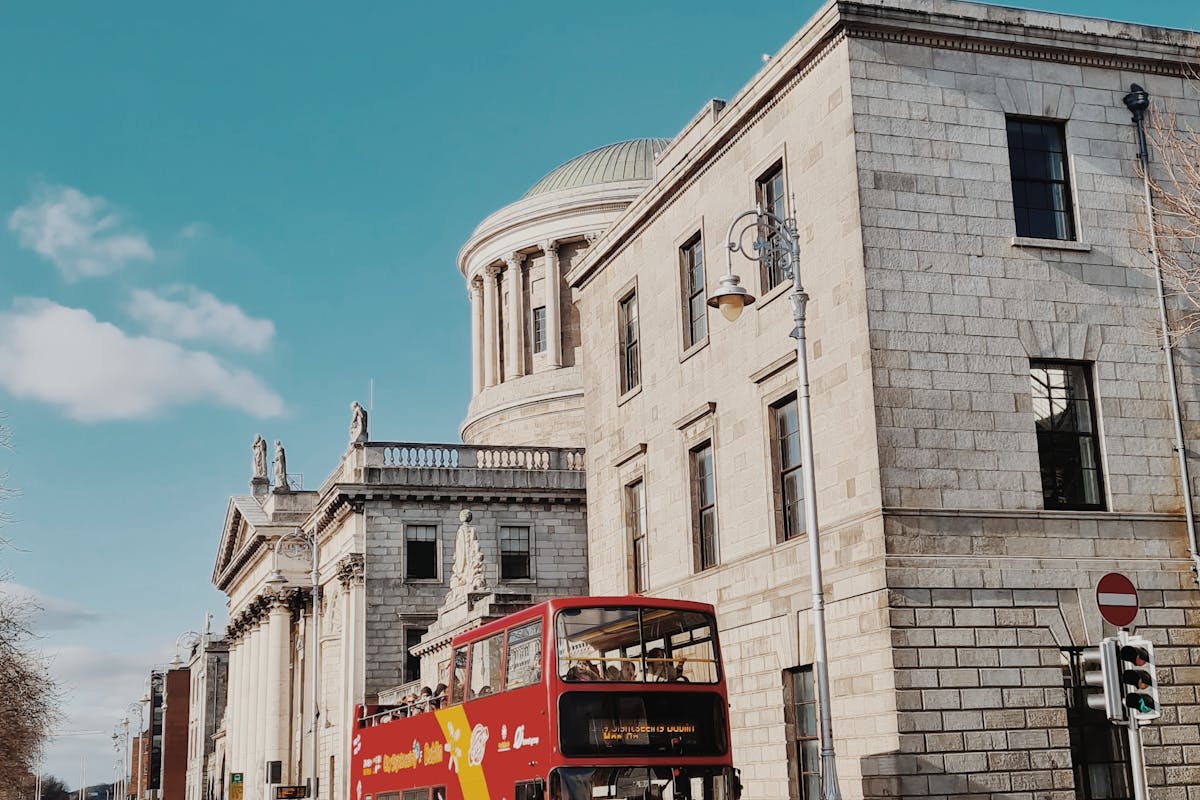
135	781
296	544
775	244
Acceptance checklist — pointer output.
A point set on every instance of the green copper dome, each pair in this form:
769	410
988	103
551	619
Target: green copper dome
623	161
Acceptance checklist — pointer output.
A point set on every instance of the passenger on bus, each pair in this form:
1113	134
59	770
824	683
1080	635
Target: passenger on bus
612	673
439	696
425	699
628	671
659	668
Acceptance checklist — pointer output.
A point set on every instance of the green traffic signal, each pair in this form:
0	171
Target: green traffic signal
1138	680
1140	702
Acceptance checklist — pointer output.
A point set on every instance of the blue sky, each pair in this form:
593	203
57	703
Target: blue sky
225	222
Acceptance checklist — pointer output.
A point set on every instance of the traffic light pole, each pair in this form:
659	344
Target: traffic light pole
1137	760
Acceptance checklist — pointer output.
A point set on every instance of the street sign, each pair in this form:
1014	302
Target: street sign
1117	598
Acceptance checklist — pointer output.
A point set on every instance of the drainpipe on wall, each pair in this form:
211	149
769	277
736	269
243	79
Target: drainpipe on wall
1137	101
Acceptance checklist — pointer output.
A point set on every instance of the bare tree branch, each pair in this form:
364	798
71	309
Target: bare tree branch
1175	187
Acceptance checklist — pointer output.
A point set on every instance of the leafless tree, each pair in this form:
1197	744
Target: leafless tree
28	695
1175	186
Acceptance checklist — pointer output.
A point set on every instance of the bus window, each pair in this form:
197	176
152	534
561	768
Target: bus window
628	646
524	655
640	783
590	640
458	673
414	794
529	790
684	641
485	665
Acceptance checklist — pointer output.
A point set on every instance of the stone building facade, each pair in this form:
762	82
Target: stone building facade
384	523
961	548
208	672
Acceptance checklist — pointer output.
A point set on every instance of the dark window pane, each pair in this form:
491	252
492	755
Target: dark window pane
1068	448
514	552
704	499
421	544
628	324
771	198
1040	186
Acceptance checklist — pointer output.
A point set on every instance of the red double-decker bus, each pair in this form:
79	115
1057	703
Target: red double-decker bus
583	698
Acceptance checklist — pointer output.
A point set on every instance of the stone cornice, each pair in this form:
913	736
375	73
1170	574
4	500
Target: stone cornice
536	212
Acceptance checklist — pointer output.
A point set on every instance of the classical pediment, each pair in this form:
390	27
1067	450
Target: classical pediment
245	521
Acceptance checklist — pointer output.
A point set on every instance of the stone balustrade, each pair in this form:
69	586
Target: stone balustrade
465	456
471	462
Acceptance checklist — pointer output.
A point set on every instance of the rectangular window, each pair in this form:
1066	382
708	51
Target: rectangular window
704	505
514	552
695	312
1098	751
539	329
635	522
769	193
800	719
412	664
631	371
1037	157
1068	445
485	666
788	468
523	665
420	543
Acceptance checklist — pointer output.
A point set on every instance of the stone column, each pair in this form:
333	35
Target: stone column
278	651
553	295
246	706
259	703
473	291
350	573
491	345
514	359
232	689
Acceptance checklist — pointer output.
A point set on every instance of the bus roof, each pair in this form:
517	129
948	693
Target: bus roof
558	603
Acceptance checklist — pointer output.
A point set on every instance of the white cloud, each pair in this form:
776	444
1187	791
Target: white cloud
94	371
80	235
186	313
47	613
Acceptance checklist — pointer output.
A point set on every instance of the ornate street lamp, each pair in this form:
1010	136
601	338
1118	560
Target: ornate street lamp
297	544
775	244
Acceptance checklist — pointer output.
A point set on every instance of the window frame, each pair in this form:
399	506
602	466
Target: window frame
781	472
629	362
797	733
437	551
1020	184
1051	442
699	507
502	553
1088	729
537	324
636	518
691	260
777	205
412	628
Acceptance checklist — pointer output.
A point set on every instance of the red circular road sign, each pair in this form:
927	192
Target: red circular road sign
1117	598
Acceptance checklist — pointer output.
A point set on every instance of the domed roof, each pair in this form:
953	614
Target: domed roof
623	161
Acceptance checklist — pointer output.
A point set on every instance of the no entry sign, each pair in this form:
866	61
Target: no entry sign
1117	599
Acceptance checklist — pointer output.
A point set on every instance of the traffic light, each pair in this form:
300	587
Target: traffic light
1139	684
1101	671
